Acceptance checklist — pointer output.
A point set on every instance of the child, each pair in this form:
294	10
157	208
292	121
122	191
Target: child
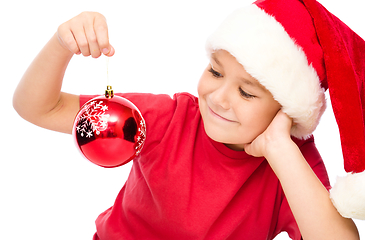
224	165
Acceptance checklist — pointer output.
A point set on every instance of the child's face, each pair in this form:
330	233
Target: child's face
235	107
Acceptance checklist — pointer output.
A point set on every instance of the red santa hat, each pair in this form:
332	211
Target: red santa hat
297	49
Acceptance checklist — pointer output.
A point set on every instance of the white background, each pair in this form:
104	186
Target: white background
48	191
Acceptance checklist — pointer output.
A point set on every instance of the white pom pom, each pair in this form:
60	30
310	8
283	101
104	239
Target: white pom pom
348	195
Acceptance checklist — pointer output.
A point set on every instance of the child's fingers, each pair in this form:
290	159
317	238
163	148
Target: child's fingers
86	33
81	39
94	48
67	39
102	35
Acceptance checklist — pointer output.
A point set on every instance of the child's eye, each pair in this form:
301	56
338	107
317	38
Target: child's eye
245	94
215	73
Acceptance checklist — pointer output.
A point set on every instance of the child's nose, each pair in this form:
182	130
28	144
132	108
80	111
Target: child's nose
220	97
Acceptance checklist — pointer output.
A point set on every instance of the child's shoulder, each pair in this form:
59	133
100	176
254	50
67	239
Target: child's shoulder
186	96
309	150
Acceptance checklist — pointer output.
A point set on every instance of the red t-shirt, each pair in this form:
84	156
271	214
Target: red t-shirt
184	185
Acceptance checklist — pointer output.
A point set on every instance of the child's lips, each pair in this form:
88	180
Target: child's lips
219	116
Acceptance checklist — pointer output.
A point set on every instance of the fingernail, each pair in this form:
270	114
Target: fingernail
106	51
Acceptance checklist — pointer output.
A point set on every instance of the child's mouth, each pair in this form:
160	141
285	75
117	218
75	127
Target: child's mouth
219	116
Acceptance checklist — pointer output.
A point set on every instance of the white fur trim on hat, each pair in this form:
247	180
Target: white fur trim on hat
348	195
266	51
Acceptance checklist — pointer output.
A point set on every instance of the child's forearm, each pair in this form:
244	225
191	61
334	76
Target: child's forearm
39	91
309	201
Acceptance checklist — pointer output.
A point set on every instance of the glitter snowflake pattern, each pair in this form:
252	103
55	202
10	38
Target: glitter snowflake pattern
141	136
93	120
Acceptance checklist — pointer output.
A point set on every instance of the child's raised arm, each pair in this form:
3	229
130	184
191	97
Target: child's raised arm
308	199
38	97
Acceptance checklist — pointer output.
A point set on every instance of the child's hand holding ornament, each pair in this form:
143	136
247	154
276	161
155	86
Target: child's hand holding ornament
86	34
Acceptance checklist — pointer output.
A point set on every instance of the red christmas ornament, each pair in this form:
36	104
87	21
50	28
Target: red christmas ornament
109	130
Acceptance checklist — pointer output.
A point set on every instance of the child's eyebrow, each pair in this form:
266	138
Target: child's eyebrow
216	60
246	81
251	83
255	84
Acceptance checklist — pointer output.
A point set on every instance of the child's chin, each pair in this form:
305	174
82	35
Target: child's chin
219	138
214	135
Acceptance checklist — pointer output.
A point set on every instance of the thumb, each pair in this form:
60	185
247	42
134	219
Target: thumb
247	147
109	51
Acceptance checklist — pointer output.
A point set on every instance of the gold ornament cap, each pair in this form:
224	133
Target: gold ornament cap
109	93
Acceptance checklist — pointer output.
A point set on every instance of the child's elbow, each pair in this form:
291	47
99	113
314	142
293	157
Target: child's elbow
21	107
16	105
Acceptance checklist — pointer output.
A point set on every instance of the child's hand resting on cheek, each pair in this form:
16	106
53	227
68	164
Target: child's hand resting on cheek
276	134
87	33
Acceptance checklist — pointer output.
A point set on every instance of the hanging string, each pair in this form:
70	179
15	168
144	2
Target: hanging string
107	71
